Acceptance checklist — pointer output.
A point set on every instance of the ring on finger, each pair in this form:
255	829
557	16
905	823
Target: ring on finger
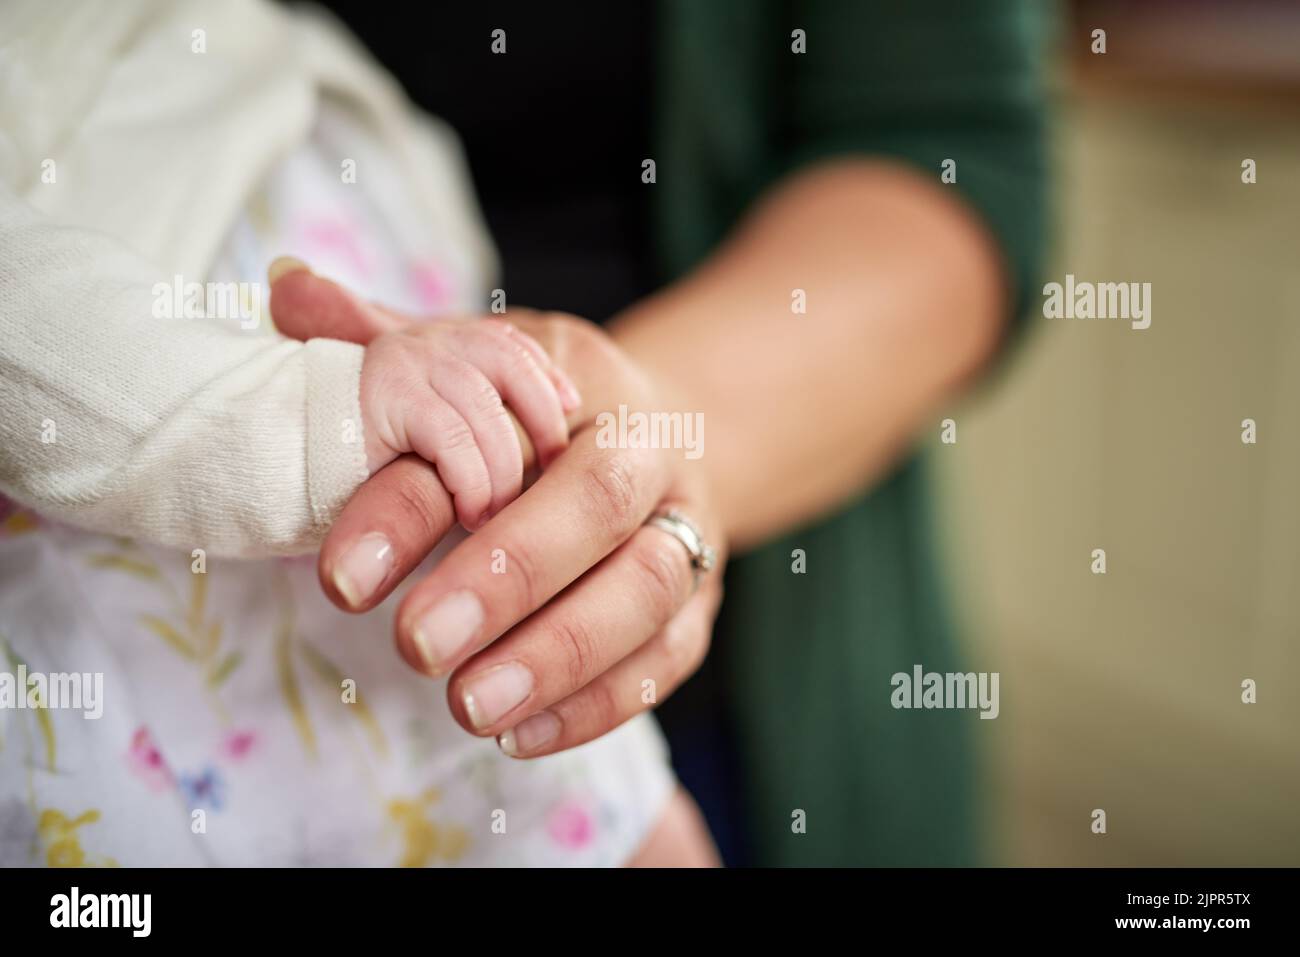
703	557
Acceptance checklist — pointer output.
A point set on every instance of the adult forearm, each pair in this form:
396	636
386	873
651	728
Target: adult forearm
904	296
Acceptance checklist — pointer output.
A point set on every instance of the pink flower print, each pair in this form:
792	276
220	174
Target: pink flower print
147	761
432	284
336	239
236	745
570	825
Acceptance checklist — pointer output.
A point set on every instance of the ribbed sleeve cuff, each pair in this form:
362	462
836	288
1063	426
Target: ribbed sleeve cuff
336	451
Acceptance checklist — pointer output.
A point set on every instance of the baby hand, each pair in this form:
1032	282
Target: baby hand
440	389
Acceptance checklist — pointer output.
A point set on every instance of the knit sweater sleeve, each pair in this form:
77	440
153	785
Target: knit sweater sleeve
179	431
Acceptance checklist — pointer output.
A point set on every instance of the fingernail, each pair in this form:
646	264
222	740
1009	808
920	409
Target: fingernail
282	266
495	693
570	398
529	734
447	629
363	568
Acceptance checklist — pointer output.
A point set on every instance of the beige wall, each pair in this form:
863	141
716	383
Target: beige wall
1123	691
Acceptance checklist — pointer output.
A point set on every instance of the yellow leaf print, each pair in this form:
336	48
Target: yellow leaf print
42	714
125	563
423	840
289	687
212	639
186	630
47	732
170	635
225	669
63	848
198	598
333	678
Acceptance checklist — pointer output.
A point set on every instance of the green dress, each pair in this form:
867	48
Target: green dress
809	656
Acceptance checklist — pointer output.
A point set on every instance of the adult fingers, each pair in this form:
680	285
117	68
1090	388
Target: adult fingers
635	684
586	504
306	306
602	618
386	529
388	526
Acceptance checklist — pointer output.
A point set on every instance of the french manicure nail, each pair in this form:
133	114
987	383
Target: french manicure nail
282	266
496	692
447	629
529	734
363	568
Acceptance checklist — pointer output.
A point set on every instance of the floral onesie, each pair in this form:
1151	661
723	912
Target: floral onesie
245	720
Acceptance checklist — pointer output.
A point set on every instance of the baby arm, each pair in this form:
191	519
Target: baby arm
186	433
176	431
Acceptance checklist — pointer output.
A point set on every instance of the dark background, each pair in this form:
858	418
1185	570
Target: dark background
555	131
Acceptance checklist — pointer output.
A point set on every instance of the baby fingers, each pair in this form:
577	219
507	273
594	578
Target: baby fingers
510	360
470	393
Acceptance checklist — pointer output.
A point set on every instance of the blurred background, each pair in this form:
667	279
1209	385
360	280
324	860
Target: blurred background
1123	691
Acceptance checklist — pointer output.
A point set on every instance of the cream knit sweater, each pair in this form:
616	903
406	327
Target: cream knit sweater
177	431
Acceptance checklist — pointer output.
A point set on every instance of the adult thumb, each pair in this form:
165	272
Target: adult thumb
307	306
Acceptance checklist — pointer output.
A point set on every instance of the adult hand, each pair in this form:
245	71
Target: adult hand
565	614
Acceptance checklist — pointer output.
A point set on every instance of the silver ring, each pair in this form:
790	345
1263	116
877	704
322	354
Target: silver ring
702	555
